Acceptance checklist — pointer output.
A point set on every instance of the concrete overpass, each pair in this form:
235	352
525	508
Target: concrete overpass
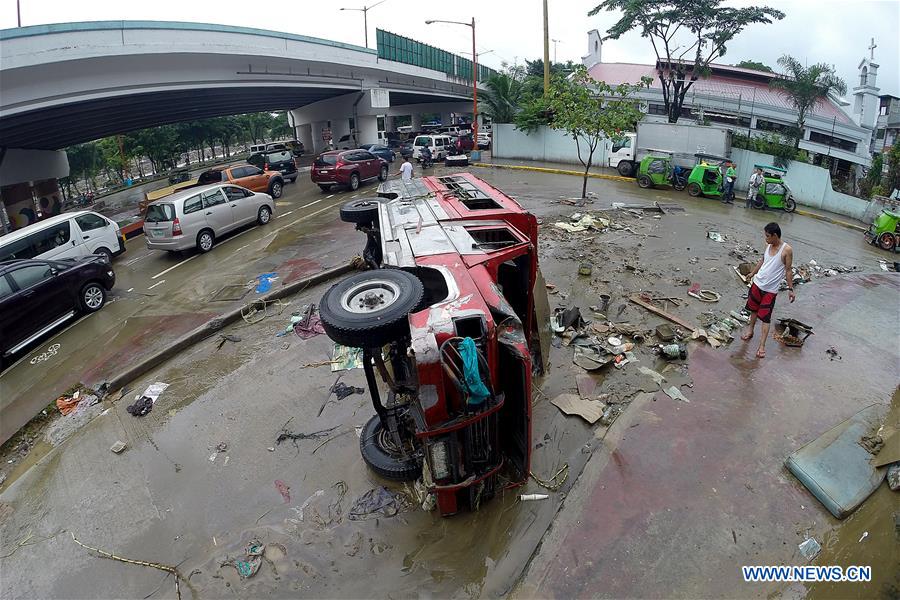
68	83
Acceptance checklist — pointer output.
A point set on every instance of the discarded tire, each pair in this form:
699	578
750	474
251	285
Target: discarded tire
364	210
379	453
369	309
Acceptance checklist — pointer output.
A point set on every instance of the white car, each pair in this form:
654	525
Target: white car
68	235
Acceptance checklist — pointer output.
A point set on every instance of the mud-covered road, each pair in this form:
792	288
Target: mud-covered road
668	500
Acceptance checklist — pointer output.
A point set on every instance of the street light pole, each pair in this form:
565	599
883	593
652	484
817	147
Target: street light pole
365	11
554	50
474	72
546	52
18	13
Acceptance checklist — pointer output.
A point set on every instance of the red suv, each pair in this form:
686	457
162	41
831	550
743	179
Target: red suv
463	144
347	167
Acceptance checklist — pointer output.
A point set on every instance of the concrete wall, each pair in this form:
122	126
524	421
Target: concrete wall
544	145
810	185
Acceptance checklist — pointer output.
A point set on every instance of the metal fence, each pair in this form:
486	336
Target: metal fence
408	51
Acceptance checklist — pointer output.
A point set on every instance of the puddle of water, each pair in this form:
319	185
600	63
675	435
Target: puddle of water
40	449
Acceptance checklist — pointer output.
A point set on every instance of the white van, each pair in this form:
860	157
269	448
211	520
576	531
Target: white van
258	148
67	235
440	146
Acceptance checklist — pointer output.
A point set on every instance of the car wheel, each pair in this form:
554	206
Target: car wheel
645	182
275	189
790	204
264	216
887	241
759	201
364	210
104	252
354	182
383	456
370	309
92	297
678	184
694	189
624	168
205	240
325	188
383	174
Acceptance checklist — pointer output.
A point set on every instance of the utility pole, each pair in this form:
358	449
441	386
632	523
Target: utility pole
474	71
18	13
546	52
554	50
365	11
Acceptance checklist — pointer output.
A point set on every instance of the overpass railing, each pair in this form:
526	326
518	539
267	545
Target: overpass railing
408	51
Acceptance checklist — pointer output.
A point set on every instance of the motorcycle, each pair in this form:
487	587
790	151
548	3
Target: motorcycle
679	178
427	161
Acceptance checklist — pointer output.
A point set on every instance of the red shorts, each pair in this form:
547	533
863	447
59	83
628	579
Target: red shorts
761	303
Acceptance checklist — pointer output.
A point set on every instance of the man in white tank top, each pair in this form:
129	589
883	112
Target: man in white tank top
767	276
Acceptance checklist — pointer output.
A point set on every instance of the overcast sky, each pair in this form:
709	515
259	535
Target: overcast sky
832	31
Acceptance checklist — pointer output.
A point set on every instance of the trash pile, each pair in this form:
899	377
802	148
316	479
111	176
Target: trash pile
807	272
143	403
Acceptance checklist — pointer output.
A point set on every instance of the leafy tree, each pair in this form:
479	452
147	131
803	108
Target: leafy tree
891	181
85	162
805	86
502	98
752	64
535	68
706	28
873	177
589	110
280	128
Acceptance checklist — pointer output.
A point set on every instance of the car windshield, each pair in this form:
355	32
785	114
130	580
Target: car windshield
326	160
157	213
423	140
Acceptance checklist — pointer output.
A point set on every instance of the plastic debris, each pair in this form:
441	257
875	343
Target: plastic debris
264	282
478	393
810	548
532	497
863	536
345	358
379	502
715	236
572	404
657	377
141	407
675	394
118	447
673	351
342	390
833	353
283	489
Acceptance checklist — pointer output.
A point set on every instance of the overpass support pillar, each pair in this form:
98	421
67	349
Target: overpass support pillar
316	130
446	119
367	129
305	137
416	121
390	124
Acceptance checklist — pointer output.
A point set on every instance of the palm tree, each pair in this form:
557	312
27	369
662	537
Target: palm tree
503	97
805	86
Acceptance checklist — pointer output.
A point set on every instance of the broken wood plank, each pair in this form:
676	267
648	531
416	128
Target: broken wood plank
658	311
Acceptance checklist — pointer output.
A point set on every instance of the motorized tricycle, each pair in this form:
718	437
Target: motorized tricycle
446	321
884	231
774	192
706	177
657	170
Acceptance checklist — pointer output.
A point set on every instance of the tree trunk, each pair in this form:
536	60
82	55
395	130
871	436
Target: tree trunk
587	169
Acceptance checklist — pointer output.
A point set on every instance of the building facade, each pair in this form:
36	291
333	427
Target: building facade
887	125
742	100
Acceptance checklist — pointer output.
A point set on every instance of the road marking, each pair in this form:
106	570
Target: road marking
331	196
134	260
175	266
160	282
284	214
295	221
315	202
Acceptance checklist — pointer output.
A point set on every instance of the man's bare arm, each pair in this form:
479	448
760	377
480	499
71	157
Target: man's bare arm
788	257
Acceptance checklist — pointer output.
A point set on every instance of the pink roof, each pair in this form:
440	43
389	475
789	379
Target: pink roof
718	84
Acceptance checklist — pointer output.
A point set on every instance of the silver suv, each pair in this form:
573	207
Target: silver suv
197	216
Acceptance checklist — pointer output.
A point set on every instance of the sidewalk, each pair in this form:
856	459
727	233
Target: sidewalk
607	173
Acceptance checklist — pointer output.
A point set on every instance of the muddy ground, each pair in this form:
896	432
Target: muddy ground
203	474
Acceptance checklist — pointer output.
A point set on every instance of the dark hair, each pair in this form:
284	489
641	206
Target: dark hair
773	228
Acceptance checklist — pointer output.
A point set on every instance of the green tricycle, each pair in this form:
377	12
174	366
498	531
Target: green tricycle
774	192
656	169
884	231
706	176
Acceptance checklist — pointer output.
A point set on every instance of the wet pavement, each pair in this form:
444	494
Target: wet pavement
685	492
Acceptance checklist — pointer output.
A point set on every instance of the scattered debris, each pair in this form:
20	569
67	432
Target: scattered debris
118	447
893	476
863	536
290	435
141	407
264	282
743	271
307	324
342	390
810	548
585	269
703	295
253	559
221	447
657	377
673	351
283	489
872	443
590	359
788	332
665	332
532	497
571	404
675	394
227	337
554	483
833	353
715	236
345	358
658	311
379	502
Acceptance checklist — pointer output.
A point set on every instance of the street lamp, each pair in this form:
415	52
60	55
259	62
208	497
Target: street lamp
554	48
474	72
365	11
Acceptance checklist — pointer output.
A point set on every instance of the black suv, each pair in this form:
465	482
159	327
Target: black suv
276	160
37	296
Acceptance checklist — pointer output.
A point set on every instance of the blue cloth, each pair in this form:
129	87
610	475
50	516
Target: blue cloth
265	282
478	393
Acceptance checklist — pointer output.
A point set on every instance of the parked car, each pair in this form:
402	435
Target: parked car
68	235
179	176
347	167
402	147
439	144
196	217
251	177
296	147
37	296
346	142
379	150
484	140
462	144
276	160
446	316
